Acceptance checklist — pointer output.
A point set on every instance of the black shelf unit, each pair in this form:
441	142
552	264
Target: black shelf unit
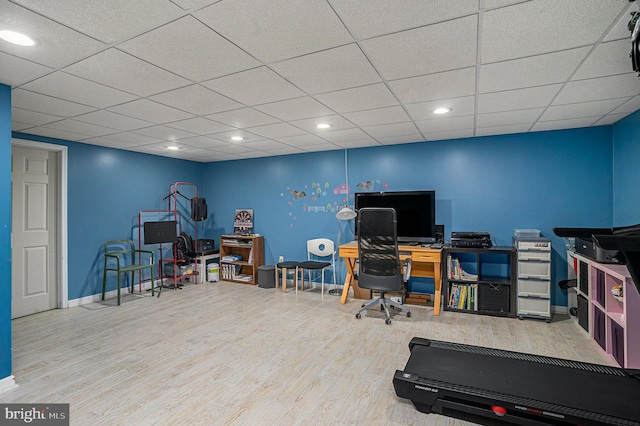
489	280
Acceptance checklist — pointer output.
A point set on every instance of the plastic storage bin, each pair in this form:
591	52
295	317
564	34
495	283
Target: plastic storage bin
528	233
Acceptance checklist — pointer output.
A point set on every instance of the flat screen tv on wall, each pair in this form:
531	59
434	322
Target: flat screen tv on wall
415	212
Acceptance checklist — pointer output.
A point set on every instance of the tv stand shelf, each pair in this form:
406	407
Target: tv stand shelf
251	250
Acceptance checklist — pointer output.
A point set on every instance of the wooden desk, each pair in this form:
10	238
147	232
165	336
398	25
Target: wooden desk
425	262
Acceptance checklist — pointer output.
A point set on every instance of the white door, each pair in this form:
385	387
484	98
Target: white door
33	231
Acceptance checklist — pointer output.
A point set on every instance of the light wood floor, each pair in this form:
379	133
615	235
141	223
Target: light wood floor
234	354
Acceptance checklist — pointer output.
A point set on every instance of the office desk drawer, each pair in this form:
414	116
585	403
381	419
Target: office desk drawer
426	256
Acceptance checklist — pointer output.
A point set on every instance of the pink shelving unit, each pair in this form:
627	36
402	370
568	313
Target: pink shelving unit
614	321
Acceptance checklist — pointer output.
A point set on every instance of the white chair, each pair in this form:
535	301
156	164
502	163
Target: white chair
320	256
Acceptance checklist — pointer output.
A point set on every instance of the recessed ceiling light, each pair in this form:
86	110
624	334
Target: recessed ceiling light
442	110
16	38
173	147
237	138
323	126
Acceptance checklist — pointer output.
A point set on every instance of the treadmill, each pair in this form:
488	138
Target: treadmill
491	386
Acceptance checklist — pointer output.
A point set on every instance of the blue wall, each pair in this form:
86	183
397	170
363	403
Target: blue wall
106	190
626	171
5	231
498	184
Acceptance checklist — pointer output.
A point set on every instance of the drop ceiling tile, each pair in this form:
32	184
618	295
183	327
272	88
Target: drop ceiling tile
203	142
15	71
572	123
607	59
390	130
492	4
295	109
74	126
539	70
586	109
113	120
460	106
543	26
76	89
450	134
164	133
264	145
254	87
196	99
506	118
276	131
425	50
371	117
38	102
364	143
208	54
277	29
107	20
531	97
56	45
396	140
334	69
616	86
336	122
106	141
233	149
445	85
200	126
632	105
359	98
620	29
57	134
610	119
446	124
193	4
322	147
18	127
129	139
287	150
154	112
125	72
340	136
375	19
243	117
32	117
302	140
503	130
226	136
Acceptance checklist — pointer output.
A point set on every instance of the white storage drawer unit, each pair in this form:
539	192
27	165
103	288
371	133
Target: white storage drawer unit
534	277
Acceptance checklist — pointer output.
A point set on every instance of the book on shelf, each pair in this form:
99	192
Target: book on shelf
456	272
463	296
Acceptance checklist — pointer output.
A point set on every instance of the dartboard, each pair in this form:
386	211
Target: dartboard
243	218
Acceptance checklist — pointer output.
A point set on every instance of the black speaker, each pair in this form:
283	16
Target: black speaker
439	233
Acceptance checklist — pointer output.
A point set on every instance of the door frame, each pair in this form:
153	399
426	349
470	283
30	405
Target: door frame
62	240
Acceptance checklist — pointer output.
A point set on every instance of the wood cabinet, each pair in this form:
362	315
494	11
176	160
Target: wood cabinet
480	280
240	257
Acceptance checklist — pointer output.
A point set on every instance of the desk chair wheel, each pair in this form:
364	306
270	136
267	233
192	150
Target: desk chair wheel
358	314
387	321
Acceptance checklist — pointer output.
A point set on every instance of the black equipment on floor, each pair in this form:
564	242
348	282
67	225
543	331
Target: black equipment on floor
486	384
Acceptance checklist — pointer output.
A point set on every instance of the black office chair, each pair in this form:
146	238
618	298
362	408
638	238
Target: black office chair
380	268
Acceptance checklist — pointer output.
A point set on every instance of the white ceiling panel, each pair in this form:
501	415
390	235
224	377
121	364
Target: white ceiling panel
190	49
122	71
56	45
273	30
254	87
107	20
21	98
75	89
425	50
375	19
506	118
543	26
153	72
151	111
333	69
359	98
15	71
295	109
459	106
243	117
445	85
372	117
532	71
197	100
531	97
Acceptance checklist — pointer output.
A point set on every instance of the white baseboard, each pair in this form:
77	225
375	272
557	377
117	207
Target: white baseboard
109	294
8	383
